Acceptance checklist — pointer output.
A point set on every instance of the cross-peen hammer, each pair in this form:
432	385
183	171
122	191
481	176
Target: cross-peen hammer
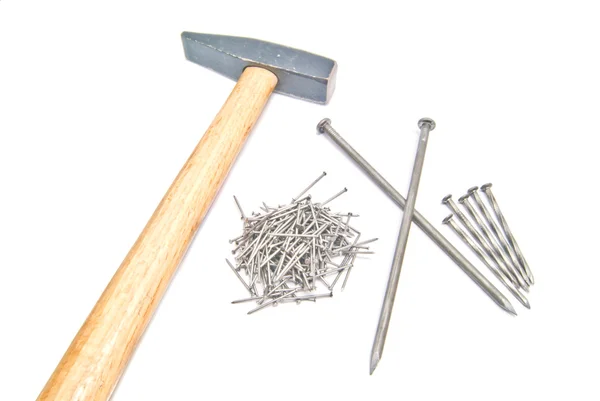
97	356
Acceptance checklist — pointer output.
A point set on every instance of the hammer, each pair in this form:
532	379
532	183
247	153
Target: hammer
97	356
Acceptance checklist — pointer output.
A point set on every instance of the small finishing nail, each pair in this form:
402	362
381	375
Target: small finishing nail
239	277
271	302
310	186
239	301
239	207
334	196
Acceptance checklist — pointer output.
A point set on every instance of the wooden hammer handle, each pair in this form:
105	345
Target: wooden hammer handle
94	361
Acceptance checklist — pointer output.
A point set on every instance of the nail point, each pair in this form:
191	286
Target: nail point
374	362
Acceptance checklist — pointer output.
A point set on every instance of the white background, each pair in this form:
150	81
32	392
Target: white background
99	109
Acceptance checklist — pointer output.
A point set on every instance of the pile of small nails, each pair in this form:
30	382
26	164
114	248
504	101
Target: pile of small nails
293	253
491	239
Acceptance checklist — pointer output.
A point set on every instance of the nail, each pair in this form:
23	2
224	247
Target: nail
448	201
496	248
239	277
486	260
487	190
425	125
325	127
334	196
310	186
239	207
497	231
271	302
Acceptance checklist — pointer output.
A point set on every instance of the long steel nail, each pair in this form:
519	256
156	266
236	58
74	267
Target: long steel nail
497	231
491	242
486	260
325	127
425	125
448	201
487	190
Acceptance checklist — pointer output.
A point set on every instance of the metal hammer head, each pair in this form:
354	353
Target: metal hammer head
300	74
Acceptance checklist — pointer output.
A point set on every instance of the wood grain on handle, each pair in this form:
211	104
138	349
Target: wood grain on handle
94	361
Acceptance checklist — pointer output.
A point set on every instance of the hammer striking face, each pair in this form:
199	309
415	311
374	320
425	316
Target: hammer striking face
299	74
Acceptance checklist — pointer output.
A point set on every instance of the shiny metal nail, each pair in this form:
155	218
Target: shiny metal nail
487	190
310	186
491	241
486	260
334	196
240	278
274	300
325	127
497	231
239	207
448	201
426	125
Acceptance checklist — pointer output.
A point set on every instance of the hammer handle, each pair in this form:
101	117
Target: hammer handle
94	362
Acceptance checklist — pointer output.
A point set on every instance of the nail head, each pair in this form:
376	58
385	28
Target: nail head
427	120
472	190
321	125
447	219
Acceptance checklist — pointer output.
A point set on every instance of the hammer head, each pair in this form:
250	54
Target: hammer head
300	74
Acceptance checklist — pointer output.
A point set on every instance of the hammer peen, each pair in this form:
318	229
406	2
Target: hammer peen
97	356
